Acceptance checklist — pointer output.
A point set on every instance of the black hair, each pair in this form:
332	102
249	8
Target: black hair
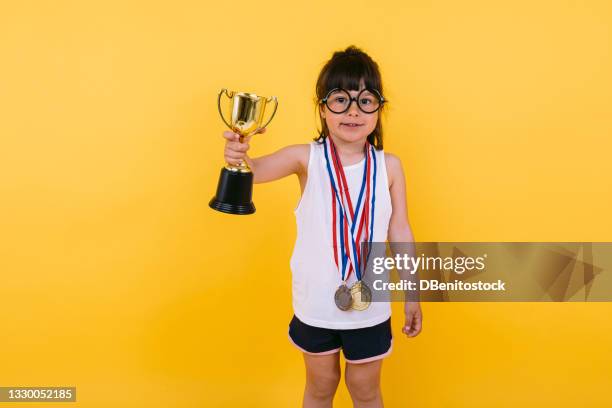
346	69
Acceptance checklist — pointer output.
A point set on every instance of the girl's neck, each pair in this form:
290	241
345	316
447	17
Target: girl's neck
350	152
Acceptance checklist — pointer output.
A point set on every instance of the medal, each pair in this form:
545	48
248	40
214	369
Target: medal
343	297
359	220
361	295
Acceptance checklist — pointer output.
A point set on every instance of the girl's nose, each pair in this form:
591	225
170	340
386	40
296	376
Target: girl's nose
353	109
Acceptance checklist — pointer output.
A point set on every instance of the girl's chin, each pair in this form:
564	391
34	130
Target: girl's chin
351	136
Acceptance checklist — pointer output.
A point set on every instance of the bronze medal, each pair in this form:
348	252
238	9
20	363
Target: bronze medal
343	297
361	296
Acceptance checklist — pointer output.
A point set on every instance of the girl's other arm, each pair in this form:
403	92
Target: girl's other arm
400	231
399	227
289	160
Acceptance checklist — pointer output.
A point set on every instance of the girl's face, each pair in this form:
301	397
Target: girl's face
352	125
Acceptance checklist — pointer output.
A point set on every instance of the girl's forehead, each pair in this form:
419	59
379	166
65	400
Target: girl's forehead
350	86
347	81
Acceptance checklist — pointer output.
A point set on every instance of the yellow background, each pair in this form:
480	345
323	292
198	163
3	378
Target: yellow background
118	279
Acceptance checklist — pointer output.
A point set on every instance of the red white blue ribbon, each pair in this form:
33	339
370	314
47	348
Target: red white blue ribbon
351	223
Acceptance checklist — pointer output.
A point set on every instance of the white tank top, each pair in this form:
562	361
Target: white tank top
315	276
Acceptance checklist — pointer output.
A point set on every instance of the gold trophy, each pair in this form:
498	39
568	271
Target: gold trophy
235	187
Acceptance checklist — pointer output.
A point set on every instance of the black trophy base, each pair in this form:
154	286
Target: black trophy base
234	193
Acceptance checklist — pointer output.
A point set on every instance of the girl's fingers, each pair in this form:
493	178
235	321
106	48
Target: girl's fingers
234	155
235	150
229	135
418	325
413	325
235	137
237	146
407	324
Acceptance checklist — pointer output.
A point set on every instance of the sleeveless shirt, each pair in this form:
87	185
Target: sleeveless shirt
315	276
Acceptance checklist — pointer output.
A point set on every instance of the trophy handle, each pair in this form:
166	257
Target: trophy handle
219	105
272	98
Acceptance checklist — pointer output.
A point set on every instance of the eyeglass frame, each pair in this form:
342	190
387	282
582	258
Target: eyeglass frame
381	99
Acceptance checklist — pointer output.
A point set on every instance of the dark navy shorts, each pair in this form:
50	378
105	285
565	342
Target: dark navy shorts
358	345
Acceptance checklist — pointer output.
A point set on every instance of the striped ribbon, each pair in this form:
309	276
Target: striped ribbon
347	252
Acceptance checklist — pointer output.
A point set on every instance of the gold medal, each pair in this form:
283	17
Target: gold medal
343	297
361	295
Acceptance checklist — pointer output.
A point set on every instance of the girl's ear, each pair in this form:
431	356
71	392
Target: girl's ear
322	112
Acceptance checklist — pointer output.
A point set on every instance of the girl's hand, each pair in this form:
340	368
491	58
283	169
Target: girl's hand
236	147
414	319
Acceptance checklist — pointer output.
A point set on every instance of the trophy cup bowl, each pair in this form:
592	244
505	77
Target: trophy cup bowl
235	186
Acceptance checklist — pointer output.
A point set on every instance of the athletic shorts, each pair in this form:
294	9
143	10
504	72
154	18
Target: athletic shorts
358	345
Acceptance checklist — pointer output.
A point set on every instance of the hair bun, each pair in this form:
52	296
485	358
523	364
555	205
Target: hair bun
353	50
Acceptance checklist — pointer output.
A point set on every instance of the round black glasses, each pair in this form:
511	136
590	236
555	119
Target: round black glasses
339	100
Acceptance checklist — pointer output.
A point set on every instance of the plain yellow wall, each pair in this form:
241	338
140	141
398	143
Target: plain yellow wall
118	279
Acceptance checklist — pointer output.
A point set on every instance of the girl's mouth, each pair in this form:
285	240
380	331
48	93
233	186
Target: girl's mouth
351	125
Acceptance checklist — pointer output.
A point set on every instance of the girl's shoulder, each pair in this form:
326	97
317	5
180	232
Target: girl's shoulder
392	159
393	165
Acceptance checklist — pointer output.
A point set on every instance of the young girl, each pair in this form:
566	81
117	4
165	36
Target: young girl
352	191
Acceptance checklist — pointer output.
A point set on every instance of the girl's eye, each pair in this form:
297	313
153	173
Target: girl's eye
340	99
365	101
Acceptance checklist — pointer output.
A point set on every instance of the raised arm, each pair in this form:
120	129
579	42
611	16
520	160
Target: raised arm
289	160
